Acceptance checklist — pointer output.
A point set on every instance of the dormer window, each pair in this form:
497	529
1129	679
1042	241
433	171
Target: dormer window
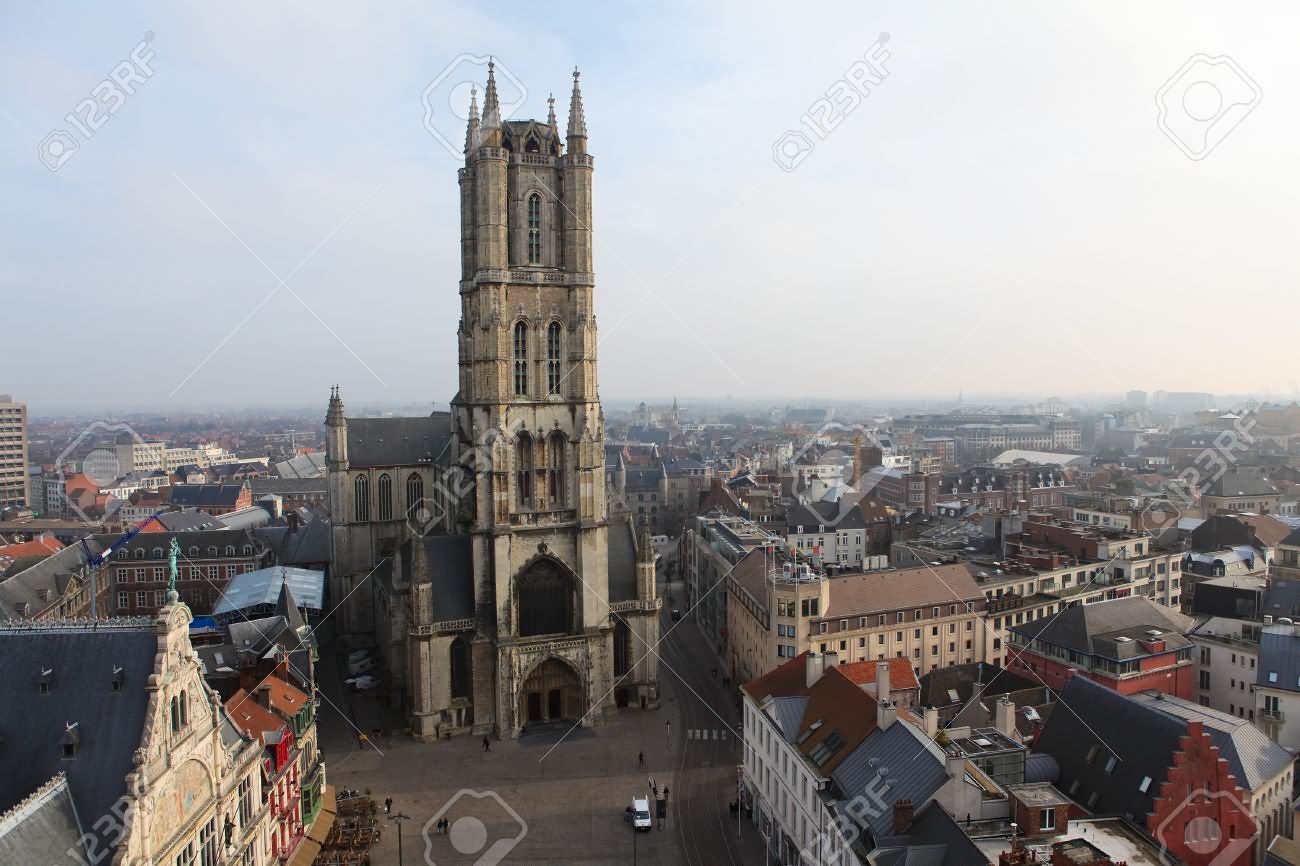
71	740
194	552
47	680
119	678
230	550
248	550
139	553
156	553
212	551
122	554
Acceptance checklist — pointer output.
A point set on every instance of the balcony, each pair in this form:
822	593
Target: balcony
446	626
554	517
1277	716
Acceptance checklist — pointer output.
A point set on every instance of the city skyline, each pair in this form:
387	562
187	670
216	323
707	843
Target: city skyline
997	152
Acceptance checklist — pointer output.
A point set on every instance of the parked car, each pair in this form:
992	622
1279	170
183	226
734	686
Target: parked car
362	683
358	655
677	614
641	814
361	667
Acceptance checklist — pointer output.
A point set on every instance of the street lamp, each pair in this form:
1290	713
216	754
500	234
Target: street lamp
399	819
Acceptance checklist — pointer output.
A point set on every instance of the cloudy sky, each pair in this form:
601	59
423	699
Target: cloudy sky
998	205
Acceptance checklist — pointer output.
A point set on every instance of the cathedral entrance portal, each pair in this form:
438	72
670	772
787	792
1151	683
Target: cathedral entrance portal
552	692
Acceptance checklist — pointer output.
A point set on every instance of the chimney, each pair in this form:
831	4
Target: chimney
902	816
1005	717
886	715
812	669
292	518
931	722
829	660
882	681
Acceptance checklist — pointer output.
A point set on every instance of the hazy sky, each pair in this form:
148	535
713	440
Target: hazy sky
1002	212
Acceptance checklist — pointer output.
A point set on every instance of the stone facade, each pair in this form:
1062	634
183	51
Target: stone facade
498	599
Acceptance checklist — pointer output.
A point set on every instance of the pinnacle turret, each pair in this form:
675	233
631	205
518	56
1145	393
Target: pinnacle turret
471	128
491	106
334	416
550	114
577	119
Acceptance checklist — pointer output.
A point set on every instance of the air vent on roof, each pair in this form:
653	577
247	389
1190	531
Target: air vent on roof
1123	639
1154	632
119	677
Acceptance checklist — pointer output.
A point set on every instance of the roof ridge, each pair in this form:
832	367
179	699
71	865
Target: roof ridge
48	786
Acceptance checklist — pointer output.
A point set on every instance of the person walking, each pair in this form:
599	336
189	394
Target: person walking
388	805
487	744
640	760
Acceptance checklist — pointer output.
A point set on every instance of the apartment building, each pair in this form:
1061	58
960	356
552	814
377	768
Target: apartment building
1227	663
14	479
709	549
210	558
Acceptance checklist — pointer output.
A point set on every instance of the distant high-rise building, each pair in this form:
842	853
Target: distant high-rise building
1136	399
13	453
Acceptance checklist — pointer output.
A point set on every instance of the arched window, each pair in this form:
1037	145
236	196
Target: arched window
230	550
176	714
521	359
385	497
156	553
361	499
185	710
212	551
414	493
524	470
554	340
534	229
555	445
139	553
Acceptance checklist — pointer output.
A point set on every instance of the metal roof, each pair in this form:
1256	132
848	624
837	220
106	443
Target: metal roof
262	587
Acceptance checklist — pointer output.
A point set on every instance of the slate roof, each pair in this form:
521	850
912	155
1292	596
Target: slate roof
308	545
901	757
204	495
1282	598
43	829
154	545
1241	482
51	574
788	712
1144	742
1253	758
1279	653
812	515
287	486
451	573
185	521
934	839
621	551
1093	629
644	479
397	441
110	723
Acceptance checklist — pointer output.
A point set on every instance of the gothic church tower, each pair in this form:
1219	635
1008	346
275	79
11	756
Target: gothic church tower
527	417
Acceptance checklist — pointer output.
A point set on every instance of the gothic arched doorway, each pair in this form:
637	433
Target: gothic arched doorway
547	600
552	692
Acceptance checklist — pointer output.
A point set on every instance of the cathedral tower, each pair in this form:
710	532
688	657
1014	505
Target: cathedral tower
527	417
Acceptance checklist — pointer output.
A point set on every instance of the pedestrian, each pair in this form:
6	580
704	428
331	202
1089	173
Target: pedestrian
487	744
640	760
446	825
388	805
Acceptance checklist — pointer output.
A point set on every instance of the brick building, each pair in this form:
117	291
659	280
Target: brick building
137	572
1126	644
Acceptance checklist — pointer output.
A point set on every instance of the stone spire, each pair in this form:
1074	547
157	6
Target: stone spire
471	128
550	114
577	120
491	107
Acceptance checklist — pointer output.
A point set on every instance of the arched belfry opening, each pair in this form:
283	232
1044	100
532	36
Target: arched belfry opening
547	595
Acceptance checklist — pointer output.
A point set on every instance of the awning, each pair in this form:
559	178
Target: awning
320	828
305	853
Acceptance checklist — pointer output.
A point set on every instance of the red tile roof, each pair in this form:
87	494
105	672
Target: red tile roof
251	717
901	674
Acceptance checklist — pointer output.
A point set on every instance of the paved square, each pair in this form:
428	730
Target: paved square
572	802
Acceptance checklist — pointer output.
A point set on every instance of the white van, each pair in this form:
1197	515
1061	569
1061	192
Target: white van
641	815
